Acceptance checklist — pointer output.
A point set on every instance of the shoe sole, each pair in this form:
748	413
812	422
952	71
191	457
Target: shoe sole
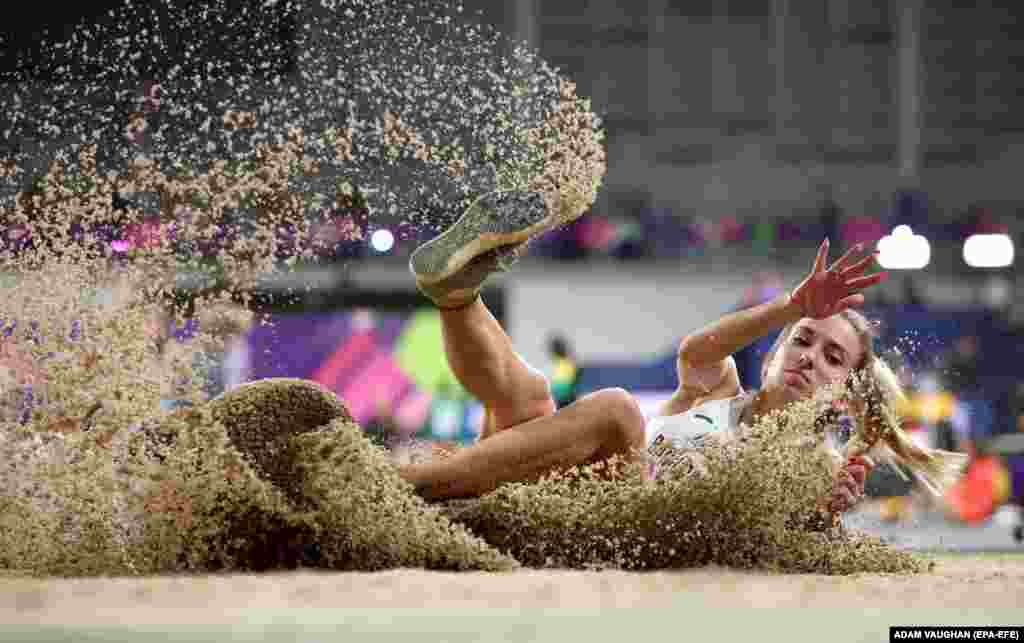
480	230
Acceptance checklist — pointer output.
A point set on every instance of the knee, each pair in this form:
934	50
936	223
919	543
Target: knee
536	396
627	420
539	388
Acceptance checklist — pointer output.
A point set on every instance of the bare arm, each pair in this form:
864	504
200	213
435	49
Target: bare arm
822	294
717	380
705	366
719	340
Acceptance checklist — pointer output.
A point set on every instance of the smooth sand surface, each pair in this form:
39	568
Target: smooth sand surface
461	606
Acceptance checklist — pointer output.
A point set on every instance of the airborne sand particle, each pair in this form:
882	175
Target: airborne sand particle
394	112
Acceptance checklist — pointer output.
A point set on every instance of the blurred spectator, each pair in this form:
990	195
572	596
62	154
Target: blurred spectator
597	234
631	243
959	367
731	230
1017	407
565	373
974	413
600	236
981	221
561	243
1017	398
930	414
946	436
911	294
910	207
863	229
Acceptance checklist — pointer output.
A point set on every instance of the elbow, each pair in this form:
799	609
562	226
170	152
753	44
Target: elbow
695	351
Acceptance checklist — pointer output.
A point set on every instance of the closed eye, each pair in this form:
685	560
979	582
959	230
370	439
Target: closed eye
833	359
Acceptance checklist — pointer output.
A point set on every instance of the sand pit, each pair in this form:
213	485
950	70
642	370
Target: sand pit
307	605
992	581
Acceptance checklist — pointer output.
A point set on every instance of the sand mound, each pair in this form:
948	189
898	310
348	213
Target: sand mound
276	475
370	517
745	512
318	493
261	418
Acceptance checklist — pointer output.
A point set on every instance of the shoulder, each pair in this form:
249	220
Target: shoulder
705	376
728	385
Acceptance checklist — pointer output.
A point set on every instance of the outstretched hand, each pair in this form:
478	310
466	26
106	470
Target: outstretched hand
826	292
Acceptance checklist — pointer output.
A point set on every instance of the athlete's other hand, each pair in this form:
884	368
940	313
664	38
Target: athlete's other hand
827	292
848	489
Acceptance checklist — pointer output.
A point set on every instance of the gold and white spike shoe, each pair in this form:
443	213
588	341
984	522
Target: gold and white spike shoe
489	237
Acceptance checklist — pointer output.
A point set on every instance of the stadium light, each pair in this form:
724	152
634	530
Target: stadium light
382	240
988	251
904	250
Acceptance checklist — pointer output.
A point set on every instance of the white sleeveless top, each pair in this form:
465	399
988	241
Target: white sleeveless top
672	439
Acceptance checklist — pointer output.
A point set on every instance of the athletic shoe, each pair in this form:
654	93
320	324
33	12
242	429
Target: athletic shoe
451	268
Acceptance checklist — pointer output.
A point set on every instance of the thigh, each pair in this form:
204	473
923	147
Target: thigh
593	429
589	411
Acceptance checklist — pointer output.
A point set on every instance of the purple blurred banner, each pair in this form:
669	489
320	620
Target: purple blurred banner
380	363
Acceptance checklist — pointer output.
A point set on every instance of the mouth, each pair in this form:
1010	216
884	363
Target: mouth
803	378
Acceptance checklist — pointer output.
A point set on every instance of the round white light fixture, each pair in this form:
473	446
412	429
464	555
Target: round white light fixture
382	240
904	250
988	251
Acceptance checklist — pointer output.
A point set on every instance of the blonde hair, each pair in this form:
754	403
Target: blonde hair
936	469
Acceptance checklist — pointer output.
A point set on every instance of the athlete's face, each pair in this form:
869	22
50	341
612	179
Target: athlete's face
817	352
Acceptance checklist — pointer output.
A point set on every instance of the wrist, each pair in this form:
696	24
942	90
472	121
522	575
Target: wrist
790	309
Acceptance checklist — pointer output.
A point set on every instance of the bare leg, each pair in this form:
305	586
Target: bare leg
481	356
523	437
594	428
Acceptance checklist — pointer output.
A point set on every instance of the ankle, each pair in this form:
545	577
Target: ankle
456	305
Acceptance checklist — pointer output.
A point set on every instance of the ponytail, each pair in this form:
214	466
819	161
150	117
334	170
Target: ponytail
880	433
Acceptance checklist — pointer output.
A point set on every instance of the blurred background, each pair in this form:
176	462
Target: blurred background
740	133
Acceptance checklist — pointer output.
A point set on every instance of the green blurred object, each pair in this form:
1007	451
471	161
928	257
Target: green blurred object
419	351
563	381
